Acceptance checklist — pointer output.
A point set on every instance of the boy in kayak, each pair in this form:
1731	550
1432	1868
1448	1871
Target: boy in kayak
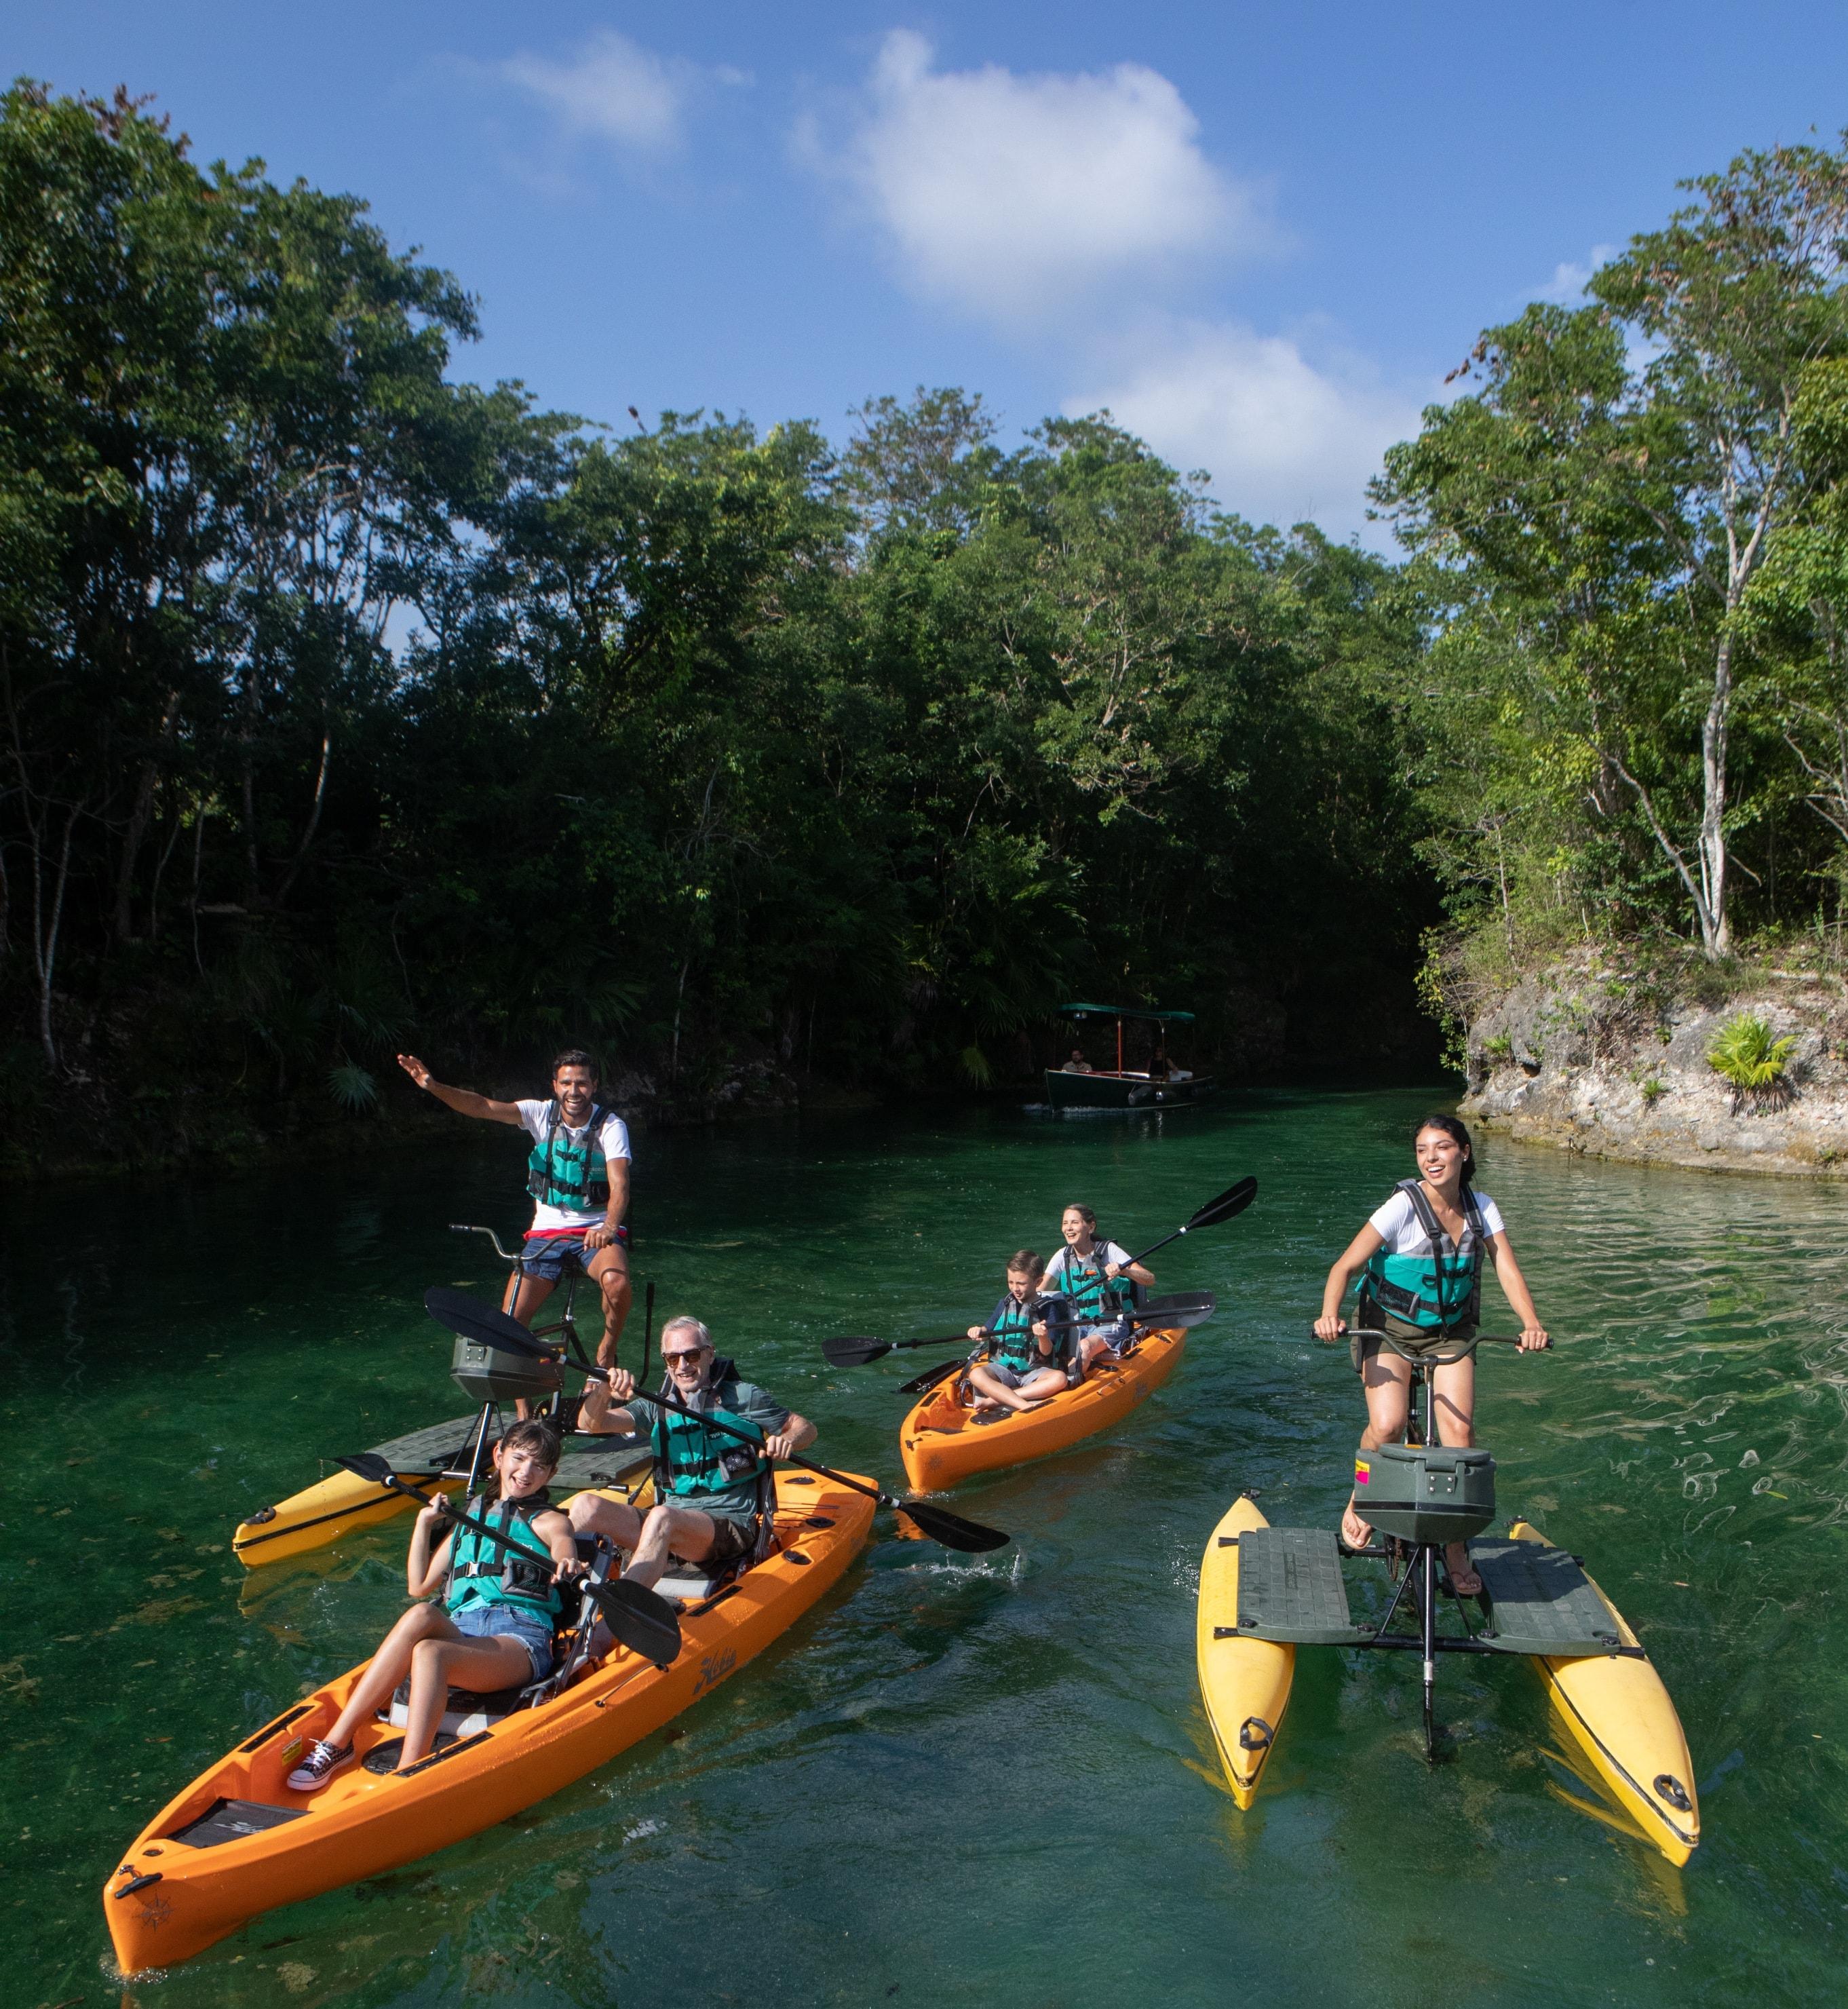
1419	1258
577	1174
1026	1354
1083	1271
706	1484
494	1627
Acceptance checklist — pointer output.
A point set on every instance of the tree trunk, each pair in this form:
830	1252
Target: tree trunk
139	817
1716	929
320	794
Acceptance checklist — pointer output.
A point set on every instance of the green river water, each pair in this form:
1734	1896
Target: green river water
959	1780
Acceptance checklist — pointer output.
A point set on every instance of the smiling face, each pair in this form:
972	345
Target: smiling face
687	1356
1440	1159
575	1087
1076	1230
523	1471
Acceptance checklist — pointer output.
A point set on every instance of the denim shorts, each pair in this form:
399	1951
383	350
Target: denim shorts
1013	1378
495	1621
545	1255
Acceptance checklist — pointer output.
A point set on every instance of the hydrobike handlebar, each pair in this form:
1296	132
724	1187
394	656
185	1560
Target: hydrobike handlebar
1429	1359
467	1227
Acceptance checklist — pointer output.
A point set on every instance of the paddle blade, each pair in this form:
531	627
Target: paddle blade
920	1384
473	1319
639	1619
1234	1200
951	1529
368	1465
852	1351
1183	1311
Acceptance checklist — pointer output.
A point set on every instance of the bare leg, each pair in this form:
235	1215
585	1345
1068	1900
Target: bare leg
437	1664
992	1392
680	1530
1454	1389
1387	1379
390	1665
590	1513
609	1269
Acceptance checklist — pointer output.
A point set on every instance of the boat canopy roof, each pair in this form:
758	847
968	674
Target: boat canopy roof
1125	1011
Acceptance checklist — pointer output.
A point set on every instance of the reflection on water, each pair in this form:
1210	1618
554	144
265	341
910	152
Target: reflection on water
1029	1717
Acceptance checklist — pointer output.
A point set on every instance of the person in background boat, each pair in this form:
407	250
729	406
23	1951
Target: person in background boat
1078	1064
1419	1259
706	1484
1082	1272
577	1174
493	1627
1028	1340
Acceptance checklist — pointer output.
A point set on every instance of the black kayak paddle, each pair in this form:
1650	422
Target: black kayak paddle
1232	1201
642	1619
469	1315
1183	1311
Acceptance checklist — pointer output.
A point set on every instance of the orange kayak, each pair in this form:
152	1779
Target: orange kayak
941	1443
237	1842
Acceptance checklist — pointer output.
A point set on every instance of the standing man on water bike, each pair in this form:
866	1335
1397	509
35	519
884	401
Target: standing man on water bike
1420	1261
577	1174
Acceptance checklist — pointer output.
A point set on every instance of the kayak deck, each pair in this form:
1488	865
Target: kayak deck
435	1458
941	1443
236	1842
1264	1591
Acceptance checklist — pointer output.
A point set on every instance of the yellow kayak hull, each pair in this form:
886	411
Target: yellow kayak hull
1620	1715
1244	1682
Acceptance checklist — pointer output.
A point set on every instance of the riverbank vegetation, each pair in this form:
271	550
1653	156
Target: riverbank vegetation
345	704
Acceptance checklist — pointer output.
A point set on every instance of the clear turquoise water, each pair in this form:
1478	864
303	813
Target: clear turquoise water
960	1781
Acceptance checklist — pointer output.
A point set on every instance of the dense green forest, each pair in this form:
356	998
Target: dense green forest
345	705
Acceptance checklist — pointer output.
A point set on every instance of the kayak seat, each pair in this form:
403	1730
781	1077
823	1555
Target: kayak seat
465	1711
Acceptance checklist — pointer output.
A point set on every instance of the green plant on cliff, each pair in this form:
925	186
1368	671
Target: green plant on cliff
1745	1052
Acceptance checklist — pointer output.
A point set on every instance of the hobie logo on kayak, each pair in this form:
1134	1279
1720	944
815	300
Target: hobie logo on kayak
1363	1472
713	1669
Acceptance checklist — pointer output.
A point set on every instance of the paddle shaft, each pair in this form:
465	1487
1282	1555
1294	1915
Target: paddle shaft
667	1401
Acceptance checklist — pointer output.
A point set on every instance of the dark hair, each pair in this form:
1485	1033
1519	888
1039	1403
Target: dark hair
535	1434
576	1056
1083	1214
1453	1128
1024	1262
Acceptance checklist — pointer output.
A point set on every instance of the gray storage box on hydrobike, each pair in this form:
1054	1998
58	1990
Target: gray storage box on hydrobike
1425	1493
487	1374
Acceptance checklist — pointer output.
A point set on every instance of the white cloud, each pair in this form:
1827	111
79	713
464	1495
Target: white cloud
1015	198
1283	439
1569	280
613	87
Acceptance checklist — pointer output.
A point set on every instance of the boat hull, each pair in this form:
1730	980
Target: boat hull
1621	1716
320	1515
940	1445
1121	1091
1244	1682
363	1824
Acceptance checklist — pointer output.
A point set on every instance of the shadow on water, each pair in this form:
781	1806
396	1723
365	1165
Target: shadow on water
1022	1730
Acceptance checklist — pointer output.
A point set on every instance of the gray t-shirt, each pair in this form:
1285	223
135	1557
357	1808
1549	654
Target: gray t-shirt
743	1399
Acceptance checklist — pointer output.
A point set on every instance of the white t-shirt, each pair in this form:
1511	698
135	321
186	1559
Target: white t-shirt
1398	1225
612	1139
1102	1253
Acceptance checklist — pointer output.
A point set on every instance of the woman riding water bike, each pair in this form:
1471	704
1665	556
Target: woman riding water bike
1419	1258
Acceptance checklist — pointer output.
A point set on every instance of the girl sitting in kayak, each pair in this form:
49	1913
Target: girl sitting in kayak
1026	1355
493	1627
1083	1271
1420	1261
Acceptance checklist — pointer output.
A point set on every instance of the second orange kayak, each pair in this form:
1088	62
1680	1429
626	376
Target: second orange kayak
941	1443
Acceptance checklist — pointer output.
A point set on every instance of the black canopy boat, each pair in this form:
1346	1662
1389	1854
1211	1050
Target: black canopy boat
1158	1085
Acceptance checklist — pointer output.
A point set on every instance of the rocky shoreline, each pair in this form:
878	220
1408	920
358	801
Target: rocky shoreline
1613	1063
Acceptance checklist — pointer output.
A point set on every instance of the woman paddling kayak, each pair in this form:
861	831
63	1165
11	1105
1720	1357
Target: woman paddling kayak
1419	1260
1082	1272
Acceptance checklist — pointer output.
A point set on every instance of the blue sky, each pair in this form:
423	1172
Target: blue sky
1260	234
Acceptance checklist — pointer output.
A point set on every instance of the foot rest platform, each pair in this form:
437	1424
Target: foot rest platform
1289	1589
1540	1601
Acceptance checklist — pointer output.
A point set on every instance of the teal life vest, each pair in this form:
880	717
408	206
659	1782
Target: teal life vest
564	1175
1011	1335
689	1459
1443	1286
1096	1299
485	1573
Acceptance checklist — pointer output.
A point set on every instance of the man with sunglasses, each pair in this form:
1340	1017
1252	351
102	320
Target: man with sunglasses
706	1484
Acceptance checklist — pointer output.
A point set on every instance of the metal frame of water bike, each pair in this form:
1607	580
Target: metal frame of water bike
565	1325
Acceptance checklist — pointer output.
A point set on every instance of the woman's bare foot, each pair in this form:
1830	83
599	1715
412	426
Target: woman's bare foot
1463	1579
1355	1533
